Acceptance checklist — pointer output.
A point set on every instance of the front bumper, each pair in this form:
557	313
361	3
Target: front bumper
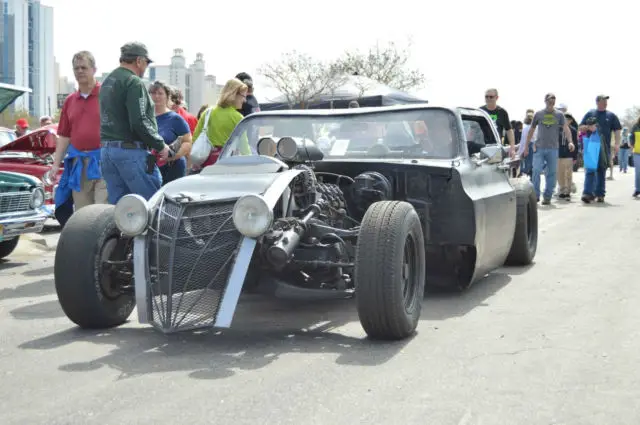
16	224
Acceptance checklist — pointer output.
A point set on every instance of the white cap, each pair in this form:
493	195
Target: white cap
562	106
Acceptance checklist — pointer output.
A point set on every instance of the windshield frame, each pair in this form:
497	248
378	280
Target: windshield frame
354	114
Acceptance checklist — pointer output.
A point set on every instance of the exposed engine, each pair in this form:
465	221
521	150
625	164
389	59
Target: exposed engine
315	245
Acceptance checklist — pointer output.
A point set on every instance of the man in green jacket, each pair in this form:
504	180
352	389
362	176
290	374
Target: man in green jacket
128	129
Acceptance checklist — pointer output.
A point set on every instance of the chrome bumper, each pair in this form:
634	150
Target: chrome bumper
16	224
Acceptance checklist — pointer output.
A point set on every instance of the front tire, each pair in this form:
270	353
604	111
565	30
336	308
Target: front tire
525	238
390	270
86	293
7	247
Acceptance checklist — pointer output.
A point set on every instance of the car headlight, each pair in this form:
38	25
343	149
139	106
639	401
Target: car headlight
132	215
37	198
252	216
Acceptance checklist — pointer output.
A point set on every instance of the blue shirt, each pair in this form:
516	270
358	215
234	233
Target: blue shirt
170	126
607	122
72	173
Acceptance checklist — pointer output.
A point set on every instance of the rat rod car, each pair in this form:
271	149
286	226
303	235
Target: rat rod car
376	203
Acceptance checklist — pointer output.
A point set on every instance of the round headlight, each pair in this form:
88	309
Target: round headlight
132	215
287	148
37	198
252	216
266	146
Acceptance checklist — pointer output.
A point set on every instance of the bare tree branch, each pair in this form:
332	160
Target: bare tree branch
631	116
387	64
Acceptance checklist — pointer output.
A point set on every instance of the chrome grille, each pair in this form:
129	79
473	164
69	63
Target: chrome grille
11	202
192	249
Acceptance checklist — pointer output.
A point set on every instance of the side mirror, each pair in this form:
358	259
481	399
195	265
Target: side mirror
492	154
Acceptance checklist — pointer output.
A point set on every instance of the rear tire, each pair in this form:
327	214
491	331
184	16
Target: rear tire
525	238
390	270
84	291
7	247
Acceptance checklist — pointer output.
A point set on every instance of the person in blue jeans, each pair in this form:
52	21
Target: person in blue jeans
625	151
634	141
607	122
128	129
174	130
548	121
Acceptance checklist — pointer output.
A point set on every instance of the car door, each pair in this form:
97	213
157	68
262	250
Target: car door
495	199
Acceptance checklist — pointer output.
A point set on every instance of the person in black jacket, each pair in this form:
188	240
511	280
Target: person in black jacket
566	159
250	104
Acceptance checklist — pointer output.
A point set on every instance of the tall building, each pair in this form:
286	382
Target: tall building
192	81
26	58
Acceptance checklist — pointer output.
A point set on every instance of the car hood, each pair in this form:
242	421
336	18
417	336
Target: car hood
9	93
10	181
41	140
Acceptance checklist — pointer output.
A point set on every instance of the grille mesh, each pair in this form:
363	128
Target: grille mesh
14	202
192	249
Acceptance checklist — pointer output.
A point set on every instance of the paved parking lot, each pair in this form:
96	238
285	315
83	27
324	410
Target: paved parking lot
556	343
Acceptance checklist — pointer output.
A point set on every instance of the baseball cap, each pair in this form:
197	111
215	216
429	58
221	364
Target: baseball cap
601	97
22	123
135	49
562	106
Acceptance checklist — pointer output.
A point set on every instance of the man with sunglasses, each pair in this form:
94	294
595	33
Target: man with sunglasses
128	129
549	122
500	118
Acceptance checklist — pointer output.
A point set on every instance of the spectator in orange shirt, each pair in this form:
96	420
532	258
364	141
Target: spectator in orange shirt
177	100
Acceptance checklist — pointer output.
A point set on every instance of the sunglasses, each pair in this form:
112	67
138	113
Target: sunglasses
488	96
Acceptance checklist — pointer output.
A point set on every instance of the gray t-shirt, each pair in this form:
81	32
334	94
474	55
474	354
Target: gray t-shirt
549	126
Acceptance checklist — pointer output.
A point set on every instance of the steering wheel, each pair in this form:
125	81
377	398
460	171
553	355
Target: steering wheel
378	149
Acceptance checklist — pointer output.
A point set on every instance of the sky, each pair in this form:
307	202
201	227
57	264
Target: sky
525	49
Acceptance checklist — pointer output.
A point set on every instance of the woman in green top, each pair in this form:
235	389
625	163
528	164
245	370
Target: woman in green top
223	119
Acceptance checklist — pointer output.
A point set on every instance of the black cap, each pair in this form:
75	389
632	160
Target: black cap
591	121
601	97
243	76
135	49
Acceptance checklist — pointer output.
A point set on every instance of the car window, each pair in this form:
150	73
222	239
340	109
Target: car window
420	133
6	137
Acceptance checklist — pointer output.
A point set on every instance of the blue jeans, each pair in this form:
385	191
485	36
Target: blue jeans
594	182
173	170
636	166
125	172
547	159
623	159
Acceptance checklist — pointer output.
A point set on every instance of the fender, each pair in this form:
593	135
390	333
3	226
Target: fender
229	179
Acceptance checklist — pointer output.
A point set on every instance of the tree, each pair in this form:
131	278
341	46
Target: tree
9	117
300	77
387	64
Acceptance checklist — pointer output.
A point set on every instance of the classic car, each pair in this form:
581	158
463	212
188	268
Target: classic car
30	154
400	199
21	201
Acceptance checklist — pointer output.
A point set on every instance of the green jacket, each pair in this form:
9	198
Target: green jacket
126	110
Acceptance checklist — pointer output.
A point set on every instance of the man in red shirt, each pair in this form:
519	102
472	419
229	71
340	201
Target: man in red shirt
79	139
177	101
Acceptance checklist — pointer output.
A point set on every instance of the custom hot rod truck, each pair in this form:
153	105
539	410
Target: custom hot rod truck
376	203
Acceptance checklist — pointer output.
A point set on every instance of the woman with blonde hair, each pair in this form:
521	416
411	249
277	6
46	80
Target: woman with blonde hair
223	119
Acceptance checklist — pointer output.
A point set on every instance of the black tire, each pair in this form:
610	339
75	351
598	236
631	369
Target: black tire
7	247
390	254
525	238
89	237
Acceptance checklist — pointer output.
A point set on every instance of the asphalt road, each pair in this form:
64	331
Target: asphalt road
556	343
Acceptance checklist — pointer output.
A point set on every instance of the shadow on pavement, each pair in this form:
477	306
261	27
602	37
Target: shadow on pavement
44	310
38	288
7	264
446	305
261	334
39	272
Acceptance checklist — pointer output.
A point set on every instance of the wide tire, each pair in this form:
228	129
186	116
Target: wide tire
390	270
88	239
7	247
525	238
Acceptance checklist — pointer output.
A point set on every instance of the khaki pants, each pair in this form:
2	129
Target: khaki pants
91	191
565	175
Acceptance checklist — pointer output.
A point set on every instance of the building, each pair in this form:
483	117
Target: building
64	86
197	87
26	53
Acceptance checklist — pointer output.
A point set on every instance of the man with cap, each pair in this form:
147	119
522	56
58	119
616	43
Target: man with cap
22	127
250	104
549	122
128	128
608	122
